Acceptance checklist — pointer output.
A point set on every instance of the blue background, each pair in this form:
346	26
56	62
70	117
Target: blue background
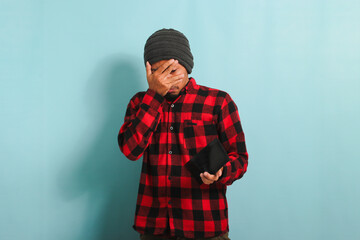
69	68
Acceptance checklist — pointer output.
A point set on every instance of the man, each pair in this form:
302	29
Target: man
169	124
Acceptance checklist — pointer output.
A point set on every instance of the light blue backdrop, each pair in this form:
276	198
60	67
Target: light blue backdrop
69	68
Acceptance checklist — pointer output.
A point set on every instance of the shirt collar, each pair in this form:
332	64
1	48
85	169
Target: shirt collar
189	86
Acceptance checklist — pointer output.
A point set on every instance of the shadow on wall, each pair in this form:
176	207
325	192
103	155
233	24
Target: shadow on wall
105	180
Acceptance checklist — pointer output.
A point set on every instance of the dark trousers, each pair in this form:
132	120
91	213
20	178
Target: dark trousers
152	237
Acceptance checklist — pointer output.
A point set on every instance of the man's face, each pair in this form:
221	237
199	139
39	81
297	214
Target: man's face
176	88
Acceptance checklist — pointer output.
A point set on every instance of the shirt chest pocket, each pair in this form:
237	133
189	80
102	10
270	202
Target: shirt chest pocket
197	134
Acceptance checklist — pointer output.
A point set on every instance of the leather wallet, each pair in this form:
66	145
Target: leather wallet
210	159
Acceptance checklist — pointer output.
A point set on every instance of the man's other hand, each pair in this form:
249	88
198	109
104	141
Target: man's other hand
208	178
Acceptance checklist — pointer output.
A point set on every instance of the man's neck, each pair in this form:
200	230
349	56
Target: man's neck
170	97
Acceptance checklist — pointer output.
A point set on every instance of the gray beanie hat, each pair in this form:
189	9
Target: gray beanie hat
166	44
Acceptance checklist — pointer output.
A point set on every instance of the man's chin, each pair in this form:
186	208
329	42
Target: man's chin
171	96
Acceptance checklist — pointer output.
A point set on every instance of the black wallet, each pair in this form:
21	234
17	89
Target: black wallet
210	159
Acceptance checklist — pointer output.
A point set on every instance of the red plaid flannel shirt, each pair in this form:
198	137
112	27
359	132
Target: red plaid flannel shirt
167	134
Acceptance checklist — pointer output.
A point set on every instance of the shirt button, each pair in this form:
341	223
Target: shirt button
172	105
171	128
170	152
169	177
169	202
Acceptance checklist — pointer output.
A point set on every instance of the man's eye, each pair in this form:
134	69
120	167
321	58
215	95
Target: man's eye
173	71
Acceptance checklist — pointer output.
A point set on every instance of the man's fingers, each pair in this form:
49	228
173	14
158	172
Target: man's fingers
165	65
210	176
205	180
171	81
174	78
170	68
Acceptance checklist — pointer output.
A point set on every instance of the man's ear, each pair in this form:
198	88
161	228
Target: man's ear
148	68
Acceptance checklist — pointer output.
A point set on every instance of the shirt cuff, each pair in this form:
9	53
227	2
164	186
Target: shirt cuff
153	99
227	169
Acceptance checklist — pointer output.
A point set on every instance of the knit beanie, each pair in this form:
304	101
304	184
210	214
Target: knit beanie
167	44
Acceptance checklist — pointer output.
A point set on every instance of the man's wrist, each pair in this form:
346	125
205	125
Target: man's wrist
157	96
152	102
224	171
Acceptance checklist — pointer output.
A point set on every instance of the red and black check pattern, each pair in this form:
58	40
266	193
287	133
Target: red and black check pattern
167	134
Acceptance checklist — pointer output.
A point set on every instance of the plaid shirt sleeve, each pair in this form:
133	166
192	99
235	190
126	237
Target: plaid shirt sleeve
141	119
232	137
